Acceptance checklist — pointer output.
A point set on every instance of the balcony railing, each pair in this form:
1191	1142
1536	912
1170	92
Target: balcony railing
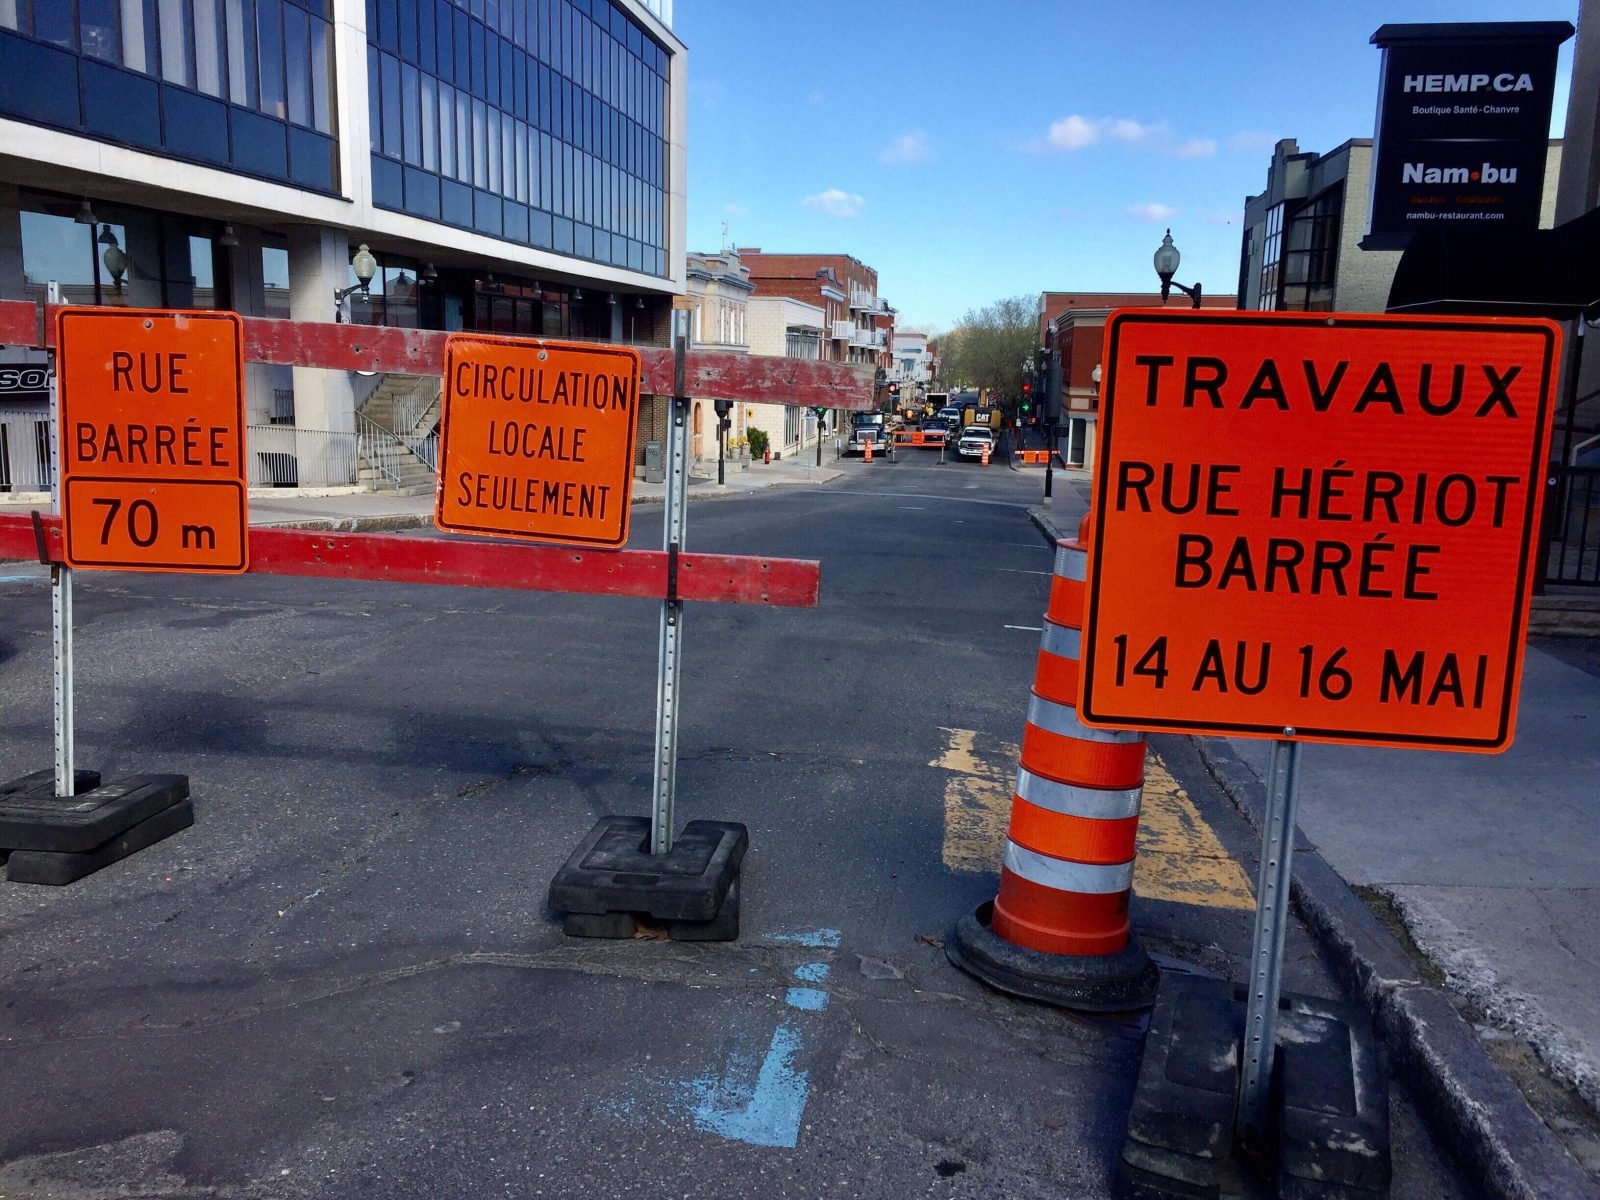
863	300
843	331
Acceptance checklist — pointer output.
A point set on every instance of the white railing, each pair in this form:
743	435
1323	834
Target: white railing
379	449
416	423
24	450
863	299
843	331
288	456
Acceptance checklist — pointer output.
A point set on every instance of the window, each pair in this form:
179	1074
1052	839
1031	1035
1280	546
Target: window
1312	254
275	280
537	101
1271	259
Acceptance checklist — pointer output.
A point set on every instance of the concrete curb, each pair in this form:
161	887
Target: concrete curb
1480	1115
399	521
352	524
1044	518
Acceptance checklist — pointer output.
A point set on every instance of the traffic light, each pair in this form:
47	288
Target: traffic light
821	412
1027	397
724	408
894	389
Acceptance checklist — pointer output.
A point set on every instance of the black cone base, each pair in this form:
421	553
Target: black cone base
612	886
1117	982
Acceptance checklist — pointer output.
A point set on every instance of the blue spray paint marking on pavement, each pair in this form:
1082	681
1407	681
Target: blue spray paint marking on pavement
769	1113
819	938
807	999
770	1116
23	578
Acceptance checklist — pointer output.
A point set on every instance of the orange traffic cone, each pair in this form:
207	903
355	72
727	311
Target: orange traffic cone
1058	930
985	455
867	450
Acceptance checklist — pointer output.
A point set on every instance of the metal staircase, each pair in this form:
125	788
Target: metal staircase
397	436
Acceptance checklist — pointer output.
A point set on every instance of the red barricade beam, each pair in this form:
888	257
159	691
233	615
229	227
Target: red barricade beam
452	562
713	375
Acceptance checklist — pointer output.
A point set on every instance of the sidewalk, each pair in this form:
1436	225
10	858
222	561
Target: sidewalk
376	511
1490	860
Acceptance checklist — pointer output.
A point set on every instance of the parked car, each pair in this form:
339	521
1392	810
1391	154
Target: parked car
935	425
861	435
975	439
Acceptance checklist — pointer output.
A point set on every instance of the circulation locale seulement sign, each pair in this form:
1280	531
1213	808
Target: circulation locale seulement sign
537	439
1316	522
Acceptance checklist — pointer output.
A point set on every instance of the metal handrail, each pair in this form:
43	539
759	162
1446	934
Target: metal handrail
378	447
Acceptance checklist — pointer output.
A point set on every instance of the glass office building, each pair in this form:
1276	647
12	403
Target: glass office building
514	165
538	121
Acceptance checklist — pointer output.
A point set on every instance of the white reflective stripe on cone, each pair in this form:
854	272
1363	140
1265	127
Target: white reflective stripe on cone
1064	876
1072	562
1101	804
1061	640
1062	720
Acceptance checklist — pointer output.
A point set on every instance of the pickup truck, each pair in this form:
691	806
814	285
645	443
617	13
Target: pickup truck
975	439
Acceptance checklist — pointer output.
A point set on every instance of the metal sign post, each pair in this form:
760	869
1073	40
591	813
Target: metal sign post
60	600
1266	946
664	788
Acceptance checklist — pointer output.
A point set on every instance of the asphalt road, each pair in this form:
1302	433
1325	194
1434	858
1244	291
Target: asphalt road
343	980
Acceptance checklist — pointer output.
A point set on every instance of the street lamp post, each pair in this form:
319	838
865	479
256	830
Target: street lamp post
365	267
1166	260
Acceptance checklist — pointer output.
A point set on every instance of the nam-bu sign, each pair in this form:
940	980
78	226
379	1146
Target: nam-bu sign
1316	522
536	439
1463	127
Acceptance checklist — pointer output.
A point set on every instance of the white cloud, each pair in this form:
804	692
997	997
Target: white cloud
836	203
1126	129
907	149
1247	140
1196	148
1078	132
1153	212
1071	133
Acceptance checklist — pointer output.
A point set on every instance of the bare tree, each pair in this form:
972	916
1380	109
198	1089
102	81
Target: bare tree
988	346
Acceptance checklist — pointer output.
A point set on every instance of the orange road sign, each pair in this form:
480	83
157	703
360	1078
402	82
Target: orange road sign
1318	522
536	439
151	430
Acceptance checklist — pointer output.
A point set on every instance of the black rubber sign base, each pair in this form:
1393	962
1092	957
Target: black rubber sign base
1330	1134
612	885
55	840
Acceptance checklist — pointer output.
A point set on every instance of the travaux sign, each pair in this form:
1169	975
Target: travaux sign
1316	521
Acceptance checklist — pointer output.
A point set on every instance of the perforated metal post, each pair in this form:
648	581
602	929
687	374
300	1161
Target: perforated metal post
1266	946
60	602
664	791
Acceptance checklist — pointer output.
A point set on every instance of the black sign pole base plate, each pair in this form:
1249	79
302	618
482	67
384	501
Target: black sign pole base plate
1120	982
1330	1134
42	783
61	867
41	820
613	887
54	839
1180	1125
1332	1103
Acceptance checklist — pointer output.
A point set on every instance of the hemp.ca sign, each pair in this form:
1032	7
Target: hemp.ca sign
1463	126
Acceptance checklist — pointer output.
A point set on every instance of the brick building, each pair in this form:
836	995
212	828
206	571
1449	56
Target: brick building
858	322
1072	332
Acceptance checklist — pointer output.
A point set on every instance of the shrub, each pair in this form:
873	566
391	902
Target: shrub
758	443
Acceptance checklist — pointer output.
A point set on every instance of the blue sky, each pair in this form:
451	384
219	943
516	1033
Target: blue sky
987	148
